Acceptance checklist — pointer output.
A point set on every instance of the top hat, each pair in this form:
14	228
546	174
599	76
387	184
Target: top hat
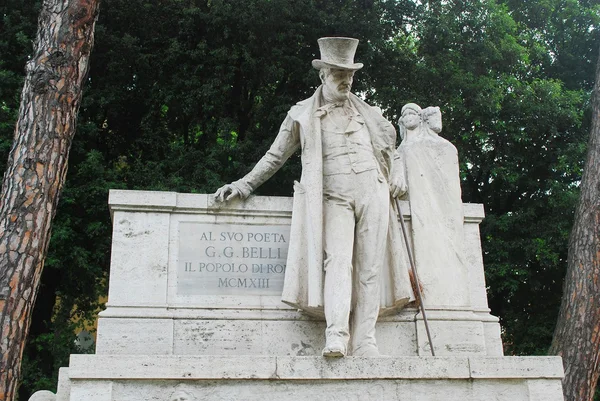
337	53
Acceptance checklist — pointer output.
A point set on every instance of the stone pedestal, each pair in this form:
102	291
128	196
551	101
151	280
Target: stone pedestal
254	378
194	306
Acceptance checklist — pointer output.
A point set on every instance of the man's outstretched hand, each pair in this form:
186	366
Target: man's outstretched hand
226	193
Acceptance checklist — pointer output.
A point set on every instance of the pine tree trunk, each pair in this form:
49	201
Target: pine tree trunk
577	333
37	166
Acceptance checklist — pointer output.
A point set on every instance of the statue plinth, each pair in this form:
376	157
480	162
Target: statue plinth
194	307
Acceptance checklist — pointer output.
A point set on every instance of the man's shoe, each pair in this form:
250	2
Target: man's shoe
334	350
369	352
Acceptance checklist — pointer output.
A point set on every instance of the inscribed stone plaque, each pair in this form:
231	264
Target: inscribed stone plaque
231	259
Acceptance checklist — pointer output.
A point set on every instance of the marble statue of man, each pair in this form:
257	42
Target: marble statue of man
346	260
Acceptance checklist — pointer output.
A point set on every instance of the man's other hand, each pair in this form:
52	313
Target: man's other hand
398	187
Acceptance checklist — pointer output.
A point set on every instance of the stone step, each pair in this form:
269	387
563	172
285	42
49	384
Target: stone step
253	378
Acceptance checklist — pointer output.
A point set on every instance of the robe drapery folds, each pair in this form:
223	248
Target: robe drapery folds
431	168
304	277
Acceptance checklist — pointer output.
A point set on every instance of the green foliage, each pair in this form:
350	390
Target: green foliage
17	27
185	96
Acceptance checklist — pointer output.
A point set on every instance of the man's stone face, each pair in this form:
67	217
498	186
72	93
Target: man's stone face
337	83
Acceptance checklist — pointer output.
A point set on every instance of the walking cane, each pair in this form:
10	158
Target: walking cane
414	270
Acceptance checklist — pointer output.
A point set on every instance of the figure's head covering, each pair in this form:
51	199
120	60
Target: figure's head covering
433	118
412	106
408	106
337	53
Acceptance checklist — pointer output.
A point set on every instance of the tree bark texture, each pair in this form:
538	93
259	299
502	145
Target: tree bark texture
577	334
37	166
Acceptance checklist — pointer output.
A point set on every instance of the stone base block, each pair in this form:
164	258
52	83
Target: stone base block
456	332
285	333
248	378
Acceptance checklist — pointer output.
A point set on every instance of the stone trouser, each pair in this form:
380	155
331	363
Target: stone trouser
356	212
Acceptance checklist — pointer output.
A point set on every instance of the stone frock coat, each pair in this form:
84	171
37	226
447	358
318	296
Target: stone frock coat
303	284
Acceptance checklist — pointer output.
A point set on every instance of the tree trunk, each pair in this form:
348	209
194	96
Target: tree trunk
577	333
37	166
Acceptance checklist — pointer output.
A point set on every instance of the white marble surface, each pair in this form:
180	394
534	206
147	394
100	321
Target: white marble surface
174	367
545	390
43	395
248	337
451	337
371	390
234	378
145	306
251	333
98	390
135	336
144	277
492	335
139	258
64	385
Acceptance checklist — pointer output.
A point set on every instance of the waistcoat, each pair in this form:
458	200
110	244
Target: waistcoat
346	143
